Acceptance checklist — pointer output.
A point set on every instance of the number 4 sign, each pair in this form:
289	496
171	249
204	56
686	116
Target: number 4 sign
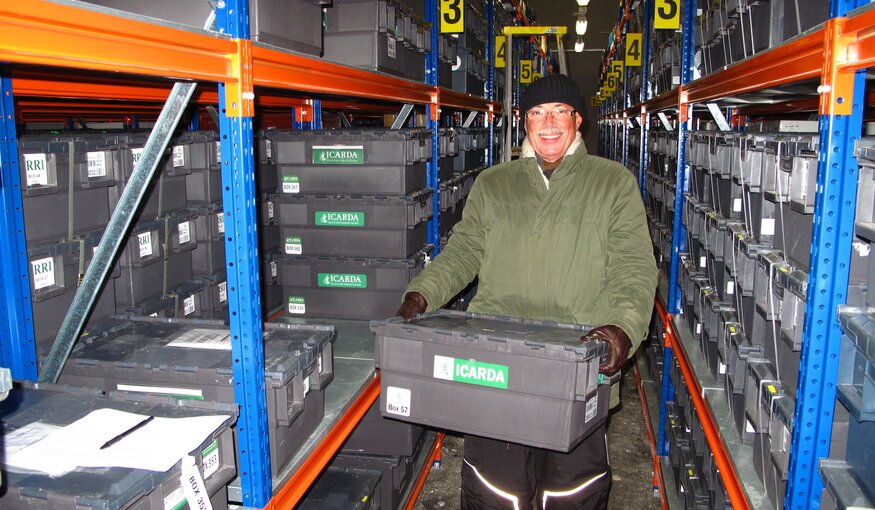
633	49
452	16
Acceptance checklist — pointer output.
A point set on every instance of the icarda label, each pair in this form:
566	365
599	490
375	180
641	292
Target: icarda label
471	372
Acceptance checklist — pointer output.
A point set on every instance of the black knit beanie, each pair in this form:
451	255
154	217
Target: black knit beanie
555	88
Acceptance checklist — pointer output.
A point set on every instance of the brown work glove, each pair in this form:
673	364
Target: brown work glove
618	346
413	305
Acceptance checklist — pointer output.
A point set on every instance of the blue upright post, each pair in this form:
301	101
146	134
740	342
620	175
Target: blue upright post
832	236
490	78
433	179
244	296
317	114
17	349
644	155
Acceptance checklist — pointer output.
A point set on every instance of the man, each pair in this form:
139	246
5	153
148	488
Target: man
556	235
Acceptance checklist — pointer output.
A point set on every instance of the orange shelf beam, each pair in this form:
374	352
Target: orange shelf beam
423	475
292	492
47	33
712	433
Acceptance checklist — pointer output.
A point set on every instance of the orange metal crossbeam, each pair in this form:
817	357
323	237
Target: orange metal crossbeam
423	475
46	33
712	433
454	99
292	492
859	52
665	101
651	441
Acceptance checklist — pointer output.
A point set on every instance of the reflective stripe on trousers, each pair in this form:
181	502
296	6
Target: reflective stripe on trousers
515	500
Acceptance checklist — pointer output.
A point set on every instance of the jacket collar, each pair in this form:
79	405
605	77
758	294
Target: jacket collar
526	151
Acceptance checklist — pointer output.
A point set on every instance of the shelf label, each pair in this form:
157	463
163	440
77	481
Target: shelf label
500	42
340	219
293	246
594	101
193	485
398	401
525	71
592	408
338	155
36	170
611	81
291	184
536	76
178	156
471	372
297	305
633	49
617	67
96	164
211	459
667	15
220	222
175	500
188	306
184	232
223	292
342	280
273	270
390	46
43	271
452	16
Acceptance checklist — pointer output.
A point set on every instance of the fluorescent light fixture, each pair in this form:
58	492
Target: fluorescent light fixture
578	45
580	26
582	3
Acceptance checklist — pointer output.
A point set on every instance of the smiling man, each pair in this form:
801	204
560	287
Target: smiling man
556	235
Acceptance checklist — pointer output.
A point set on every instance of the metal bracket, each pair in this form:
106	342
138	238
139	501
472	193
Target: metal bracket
114	236
837	86
240	93
666	124
401	119
719	118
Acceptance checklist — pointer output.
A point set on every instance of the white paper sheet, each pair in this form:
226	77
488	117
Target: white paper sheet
156	446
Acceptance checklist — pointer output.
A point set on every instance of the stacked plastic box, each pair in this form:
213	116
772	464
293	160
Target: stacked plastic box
30	413
192	359
352	209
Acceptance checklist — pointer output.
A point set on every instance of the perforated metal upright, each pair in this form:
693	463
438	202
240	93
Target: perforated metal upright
241	252
17	350
433	123
490	78
840	124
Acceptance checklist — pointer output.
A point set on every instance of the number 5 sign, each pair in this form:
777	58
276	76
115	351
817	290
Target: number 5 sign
525	71
452	16
667	14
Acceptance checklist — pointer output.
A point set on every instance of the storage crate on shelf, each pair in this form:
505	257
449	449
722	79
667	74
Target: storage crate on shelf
33	411
377	435
473	373
192	359
344	489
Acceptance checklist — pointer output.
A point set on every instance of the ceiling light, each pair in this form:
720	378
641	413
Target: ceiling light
583	3
578	45
580	26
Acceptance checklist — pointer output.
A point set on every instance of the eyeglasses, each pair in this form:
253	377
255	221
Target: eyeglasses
558	114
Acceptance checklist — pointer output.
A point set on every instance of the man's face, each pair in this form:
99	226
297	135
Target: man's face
551	128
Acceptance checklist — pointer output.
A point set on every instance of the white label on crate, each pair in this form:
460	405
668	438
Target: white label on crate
768	227
43	273
306	385
293	246
220	221
319	363
721	367
748	427
443	367
223	292
136	154
153	314
291	184
178	156
193	484
97	164
144	241
163	390
698	328
270	210
184	232
211	459
592	407
297	305
202	338
736	205
268	149
219	152
390	46
188	305
273	270
861	248
175	500
730	287
703	262
398	401
36	170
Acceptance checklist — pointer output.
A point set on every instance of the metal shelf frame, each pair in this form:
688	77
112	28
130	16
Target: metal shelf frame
836	54
62	49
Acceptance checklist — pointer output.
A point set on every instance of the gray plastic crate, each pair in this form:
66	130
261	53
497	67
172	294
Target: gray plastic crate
349	288
111	488
843	489
137	284
856	380
529	382
136	355
216	296
376	435
344	489
353	161
60	198
396	473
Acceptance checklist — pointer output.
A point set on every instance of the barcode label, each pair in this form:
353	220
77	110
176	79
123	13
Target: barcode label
188	306
97	164
223	292
184	232
220	220
178	156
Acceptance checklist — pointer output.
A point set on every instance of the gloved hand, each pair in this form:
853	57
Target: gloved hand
414	303
618	346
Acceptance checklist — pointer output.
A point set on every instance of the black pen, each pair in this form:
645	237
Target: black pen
126	433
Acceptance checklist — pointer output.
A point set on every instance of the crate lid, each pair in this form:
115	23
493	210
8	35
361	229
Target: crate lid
538	338
343	489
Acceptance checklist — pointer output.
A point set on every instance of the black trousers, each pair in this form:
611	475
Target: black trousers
507	476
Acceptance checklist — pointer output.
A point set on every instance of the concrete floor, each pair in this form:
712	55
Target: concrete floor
629	452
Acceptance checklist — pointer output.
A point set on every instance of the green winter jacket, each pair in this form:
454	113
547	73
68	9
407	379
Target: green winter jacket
578	252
